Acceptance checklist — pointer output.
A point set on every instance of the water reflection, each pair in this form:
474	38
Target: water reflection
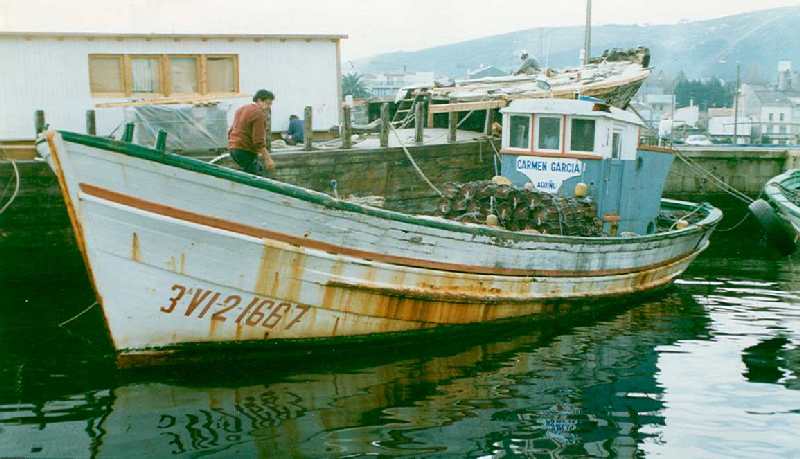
582	388
709	370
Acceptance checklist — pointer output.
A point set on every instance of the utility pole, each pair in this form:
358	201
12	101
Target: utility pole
736	107
587	46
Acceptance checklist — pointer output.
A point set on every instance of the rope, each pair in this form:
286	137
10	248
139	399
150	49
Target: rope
496	158
414	163
78	314
744	219
700	170
699	206
16	187
219	158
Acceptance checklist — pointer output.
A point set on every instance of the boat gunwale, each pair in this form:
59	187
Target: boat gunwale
775	194
712	217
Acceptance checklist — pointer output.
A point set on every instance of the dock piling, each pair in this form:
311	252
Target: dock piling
38	121
91	122
347	128
308	131
452	127
419	122
385	125
487	125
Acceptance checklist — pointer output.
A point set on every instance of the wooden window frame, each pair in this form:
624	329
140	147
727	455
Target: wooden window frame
235	58
128	59
165	74
121	59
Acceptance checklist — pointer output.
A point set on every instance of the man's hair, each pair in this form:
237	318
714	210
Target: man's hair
293	117
263	94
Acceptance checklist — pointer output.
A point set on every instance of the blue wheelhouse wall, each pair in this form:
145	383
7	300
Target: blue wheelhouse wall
629	188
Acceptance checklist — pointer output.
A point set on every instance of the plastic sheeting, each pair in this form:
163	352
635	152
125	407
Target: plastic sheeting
188	127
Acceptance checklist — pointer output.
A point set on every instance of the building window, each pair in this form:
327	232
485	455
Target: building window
549	134
106	75
781	115
520	131
183	74
221	74
146	75
771	116
582	135
124	75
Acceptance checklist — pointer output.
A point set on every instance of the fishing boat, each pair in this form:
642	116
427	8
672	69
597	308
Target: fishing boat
779	212
184	254
615	77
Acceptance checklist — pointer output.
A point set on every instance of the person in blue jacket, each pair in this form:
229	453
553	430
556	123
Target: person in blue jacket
294	134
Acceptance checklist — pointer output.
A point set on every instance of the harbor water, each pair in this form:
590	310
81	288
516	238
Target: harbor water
708	368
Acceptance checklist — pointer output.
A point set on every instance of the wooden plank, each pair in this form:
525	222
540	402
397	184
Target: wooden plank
189	99
467	106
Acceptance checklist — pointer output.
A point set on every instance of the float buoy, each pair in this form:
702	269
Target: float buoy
780	233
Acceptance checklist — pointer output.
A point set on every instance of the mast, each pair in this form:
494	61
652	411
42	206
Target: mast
587	46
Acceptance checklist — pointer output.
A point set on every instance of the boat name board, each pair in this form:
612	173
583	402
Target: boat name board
548	174
264	312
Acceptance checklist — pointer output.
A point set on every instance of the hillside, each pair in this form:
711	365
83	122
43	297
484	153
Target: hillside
702	48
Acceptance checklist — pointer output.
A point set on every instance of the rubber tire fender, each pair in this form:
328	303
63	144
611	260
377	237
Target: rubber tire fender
780	233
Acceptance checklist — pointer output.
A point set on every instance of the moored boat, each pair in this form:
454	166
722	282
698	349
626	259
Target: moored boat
183	253
779	212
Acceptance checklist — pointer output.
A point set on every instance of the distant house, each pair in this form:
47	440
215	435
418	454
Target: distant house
389	83
485	71
775	114
65	74
721	123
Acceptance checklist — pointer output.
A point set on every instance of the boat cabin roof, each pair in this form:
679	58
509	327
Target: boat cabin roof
570	107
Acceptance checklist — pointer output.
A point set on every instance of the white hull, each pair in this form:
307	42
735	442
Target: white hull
179	256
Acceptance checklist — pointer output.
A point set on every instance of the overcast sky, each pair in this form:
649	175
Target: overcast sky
373	26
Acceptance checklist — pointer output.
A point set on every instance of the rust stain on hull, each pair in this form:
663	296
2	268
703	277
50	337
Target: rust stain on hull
136	253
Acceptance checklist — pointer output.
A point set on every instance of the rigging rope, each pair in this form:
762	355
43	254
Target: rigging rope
16	187
414	163
701	171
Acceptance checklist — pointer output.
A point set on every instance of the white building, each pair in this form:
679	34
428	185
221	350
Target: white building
775	114
65	74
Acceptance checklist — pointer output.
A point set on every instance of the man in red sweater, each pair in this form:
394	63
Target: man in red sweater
247	137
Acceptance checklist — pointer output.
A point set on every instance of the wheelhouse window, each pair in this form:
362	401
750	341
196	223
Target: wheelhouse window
582	135
520	132
123	75
549	133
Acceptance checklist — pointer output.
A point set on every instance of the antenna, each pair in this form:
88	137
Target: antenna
587	46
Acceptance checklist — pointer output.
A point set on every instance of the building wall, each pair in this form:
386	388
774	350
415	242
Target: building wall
52	74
